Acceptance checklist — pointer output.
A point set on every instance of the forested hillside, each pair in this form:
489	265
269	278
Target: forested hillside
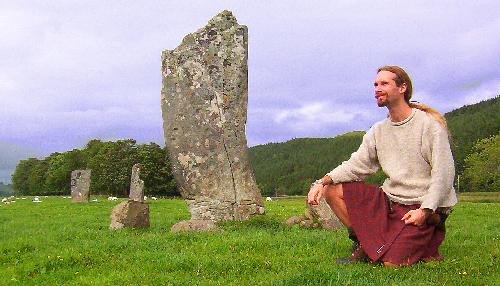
471	123
290	167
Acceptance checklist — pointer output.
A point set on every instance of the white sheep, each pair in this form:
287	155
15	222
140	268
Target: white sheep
112	198
154	198
269	199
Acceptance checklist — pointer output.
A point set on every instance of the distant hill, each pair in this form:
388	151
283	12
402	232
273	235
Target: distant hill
290	167
6	190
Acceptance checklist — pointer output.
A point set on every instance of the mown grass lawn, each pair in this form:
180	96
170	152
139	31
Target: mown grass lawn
59	242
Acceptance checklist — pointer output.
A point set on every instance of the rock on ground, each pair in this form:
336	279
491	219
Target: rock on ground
130	214
317	216
195	225
324	214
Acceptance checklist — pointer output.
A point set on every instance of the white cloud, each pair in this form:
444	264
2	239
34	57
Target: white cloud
318	115
484	91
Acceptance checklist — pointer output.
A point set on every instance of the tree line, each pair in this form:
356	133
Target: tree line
111	164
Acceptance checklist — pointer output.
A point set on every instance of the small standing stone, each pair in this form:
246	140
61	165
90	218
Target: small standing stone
133	212
136	184
80	186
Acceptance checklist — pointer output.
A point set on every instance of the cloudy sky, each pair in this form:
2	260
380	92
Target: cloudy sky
75	70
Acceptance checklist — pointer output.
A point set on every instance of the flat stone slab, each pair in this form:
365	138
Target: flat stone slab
195	225
130	214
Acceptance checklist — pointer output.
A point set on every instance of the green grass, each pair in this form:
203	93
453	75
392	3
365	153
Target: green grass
480	197
59	242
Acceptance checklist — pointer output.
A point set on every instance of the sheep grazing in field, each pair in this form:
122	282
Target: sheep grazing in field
112	198
269	199
23	198
94	200
36	200
145	198
154	198
4	200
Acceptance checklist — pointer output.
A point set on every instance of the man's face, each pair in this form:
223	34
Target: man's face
386	90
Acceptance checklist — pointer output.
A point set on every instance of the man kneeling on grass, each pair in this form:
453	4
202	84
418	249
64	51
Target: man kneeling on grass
402	222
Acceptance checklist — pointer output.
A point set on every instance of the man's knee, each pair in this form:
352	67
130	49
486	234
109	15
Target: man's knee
333	193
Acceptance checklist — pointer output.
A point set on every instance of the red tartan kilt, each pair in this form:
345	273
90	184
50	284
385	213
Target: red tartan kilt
383	235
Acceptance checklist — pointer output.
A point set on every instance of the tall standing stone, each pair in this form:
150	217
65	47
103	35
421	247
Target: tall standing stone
136	184
204	106
80	186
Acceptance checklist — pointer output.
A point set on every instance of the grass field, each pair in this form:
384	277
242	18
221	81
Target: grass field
59	242
477	197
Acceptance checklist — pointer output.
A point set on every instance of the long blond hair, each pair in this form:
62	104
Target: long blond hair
403	78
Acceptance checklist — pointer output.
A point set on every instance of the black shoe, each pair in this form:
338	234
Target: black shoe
358	255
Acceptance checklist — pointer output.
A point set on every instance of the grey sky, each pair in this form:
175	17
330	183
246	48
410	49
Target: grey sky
75	70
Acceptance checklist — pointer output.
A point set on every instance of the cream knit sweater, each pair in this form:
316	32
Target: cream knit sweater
415	154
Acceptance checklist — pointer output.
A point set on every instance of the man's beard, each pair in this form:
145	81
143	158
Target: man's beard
382	103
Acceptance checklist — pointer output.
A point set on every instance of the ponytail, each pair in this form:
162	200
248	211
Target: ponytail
431	111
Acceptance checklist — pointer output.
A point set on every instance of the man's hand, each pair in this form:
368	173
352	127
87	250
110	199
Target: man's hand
315	194
416	217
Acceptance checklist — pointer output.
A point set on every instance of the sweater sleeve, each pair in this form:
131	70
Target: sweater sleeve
362	163
442	167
